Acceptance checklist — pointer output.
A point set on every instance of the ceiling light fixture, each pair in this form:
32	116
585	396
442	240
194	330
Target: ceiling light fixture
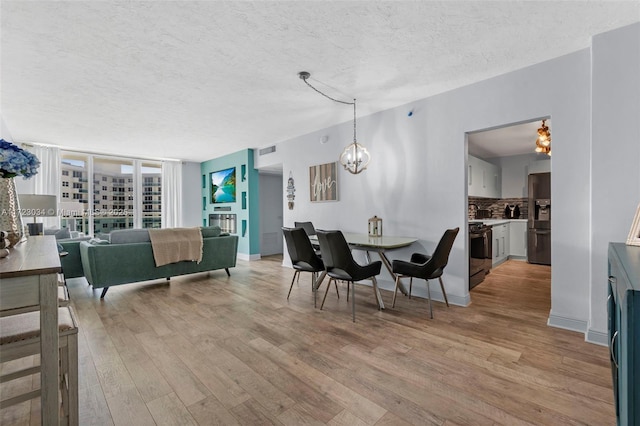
543	143
355	157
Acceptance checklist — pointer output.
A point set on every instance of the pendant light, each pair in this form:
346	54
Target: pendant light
355	157
543	143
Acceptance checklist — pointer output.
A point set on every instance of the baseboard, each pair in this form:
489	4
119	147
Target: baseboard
597	337
565	323
249	257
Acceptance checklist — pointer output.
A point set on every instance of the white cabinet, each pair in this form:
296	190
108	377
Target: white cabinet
483	178
518	239
500	234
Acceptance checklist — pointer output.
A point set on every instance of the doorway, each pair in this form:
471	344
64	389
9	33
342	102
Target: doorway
500	161
271	211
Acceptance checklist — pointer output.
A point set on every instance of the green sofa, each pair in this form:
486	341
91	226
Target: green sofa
106	264
71	262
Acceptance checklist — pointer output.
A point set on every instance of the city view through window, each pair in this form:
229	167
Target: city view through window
100	194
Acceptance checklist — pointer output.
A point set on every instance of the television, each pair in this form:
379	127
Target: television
223	186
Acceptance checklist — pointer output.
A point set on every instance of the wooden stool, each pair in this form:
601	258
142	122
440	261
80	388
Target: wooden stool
20	337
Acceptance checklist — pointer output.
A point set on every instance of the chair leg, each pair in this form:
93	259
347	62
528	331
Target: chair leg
348	284
410	285
444	293
326	292
395	292
353	301
429	294
295	274
335	283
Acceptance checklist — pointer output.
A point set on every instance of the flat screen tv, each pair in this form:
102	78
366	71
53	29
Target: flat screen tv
223	186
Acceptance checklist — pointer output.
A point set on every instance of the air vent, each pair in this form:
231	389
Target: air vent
267	150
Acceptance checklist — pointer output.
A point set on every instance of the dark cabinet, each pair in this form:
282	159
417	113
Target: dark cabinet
623	308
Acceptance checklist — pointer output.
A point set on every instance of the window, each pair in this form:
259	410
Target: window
65	183
126	191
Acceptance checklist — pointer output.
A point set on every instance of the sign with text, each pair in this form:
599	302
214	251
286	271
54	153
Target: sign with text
323	182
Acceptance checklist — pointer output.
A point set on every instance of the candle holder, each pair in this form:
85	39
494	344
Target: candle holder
375	227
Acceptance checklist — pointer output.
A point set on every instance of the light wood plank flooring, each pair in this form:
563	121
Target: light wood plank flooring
207	349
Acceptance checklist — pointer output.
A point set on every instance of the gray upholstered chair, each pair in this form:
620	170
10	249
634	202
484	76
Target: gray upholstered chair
303	256
426	267
340	265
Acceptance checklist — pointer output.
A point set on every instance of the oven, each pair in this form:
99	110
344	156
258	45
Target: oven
480	253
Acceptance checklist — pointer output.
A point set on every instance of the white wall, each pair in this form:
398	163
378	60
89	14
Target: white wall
615	143
417	179
191	195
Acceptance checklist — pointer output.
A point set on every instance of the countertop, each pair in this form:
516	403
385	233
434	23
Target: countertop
496	221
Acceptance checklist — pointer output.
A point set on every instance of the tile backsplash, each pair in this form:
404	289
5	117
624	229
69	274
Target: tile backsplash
496	205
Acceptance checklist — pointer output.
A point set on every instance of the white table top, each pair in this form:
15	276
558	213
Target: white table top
384	242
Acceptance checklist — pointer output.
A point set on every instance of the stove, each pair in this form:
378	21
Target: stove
480	253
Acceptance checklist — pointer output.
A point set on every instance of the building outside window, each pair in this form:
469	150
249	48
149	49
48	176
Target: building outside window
90	175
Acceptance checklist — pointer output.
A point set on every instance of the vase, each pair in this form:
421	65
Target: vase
10	218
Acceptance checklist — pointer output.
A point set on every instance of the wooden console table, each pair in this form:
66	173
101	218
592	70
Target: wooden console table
28	278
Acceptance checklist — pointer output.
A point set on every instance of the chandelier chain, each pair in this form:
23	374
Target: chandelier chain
339	101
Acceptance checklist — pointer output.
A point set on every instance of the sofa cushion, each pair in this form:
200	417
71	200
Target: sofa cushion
127	236
210	231
60	234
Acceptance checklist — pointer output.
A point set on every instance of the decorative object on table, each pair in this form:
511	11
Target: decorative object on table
4	242
355	157
543	143
14	161
634	234
323	182
291	189
32	205
375	227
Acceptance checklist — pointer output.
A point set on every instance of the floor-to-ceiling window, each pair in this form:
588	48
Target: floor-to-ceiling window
111	192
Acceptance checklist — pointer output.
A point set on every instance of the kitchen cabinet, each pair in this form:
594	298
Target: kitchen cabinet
500	243
518	239
483	178
623	309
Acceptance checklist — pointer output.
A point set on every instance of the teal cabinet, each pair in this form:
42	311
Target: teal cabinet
624	330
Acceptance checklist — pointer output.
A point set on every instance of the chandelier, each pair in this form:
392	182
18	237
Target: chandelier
543	143
355	157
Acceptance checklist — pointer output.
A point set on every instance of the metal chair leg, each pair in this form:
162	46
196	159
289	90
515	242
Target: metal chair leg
410	285
326	292
444	293
295	274
395	292
353	300
337	292
348	284
429	294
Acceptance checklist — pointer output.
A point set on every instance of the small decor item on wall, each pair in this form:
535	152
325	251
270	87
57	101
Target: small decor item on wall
291	189
323	182
375	227
14	161
634	234
223	186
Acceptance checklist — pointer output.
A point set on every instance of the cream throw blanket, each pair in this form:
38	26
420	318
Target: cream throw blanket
173	245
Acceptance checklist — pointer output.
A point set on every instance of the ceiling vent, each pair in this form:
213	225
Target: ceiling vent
267	150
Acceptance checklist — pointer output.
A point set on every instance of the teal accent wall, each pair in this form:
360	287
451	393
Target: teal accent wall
246	207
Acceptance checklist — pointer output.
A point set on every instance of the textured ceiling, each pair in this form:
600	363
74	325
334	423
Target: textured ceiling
196	80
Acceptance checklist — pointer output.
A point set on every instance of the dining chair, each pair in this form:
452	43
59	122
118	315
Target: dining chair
303	257
311	232
426	267
340	265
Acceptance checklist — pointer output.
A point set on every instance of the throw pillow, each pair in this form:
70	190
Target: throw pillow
210	231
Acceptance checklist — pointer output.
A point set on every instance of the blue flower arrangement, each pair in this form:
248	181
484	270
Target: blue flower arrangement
15	161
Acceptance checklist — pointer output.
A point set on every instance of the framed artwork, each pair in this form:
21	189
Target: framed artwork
634	234
323	182
223	186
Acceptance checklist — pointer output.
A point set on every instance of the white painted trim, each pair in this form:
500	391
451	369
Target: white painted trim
597	337
248	257
571	324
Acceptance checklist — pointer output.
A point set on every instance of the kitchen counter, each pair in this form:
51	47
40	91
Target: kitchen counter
495	221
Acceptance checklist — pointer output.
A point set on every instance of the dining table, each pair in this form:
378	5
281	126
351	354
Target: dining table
378	244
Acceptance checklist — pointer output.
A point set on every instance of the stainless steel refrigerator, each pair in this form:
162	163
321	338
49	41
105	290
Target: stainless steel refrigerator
539	232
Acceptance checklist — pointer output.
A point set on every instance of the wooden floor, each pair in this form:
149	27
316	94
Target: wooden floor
208	349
